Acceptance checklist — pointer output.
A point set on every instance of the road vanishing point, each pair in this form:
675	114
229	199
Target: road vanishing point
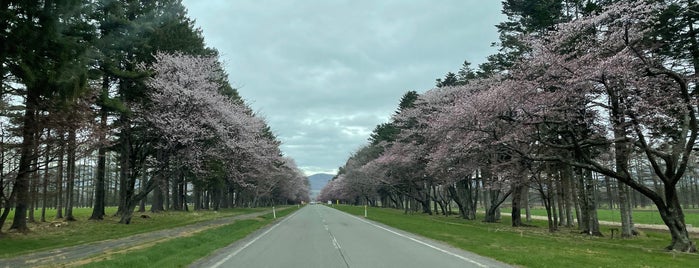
320	236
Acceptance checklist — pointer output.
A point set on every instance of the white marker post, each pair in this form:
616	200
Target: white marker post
274	213
364	211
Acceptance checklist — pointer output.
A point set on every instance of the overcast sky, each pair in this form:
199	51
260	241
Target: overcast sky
324	73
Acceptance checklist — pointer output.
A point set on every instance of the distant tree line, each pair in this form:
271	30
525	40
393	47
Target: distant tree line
587	103
120	103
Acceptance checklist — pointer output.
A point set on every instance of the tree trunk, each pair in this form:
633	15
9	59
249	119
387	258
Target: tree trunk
98	209
184	194
551	201
627	228
459	194
610	193
157	202
70	183
142	203
589	206
5	202
59	181
27	153
125	188
673	216
584	218
6	210
517	205
569	193
34	184
160	189
560	202
425	204
176	203
45	181
497	197
525	203
549	213
135	198
197	198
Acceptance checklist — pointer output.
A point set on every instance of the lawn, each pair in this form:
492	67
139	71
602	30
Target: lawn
535	246
172	253
57	234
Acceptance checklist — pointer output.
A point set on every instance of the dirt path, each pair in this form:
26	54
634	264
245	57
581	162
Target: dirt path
65	256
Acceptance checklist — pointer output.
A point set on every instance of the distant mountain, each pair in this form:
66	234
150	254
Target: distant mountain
319	180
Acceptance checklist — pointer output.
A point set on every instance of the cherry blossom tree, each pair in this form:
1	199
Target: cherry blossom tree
602	72
214	138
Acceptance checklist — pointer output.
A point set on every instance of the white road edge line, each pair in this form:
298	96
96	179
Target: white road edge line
421	242
217	264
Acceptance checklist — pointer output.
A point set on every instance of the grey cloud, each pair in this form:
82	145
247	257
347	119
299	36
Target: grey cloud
325	72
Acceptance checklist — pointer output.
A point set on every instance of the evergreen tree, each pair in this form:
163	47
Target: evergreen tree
523	17
51	65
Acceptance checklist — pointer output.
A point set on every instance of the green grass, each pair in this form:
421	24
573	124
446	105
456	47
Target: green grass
180	252
535	246
644	216
45	236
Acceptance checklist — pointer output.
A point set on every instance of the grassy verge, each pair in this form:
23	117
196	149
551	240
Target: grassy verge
57	234
645	216
182	251
535	246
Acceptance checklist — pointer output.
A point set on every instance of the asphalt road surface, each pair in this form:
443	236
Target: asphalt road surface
320	236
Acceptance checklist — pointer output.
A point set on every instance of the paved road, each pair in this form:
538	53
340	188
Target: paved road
320	236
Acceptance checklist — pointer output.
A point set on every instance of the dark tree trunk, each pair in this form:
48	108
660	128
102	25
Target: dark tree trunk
590	222
176	203
467	193
197	198
8	202
21	185
142	202
70	183
34	183
45	180
218	197
560	202
549	213
610	192
160	189
584	223
125	185
158	199
425	204
544	187
98	209
497	197
673	216
458	199
517	205
621	161
135	198
184	195
5	202
165	188
59	180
